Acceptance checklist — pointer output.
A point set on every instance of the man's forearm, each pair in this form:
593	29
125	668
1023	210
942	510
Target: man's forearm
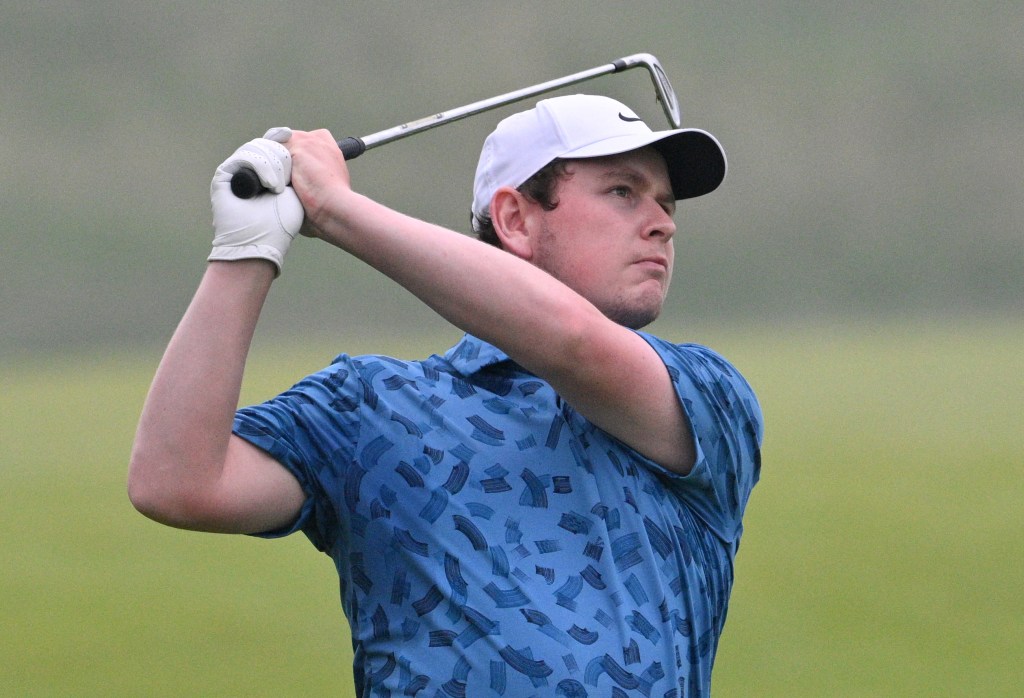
186	422
481	289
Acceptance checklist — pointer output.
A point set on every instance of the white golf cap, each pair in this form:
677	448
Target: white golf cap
586	126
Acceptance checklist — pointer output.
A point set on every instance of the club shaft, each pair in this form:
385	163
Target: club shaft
445	117
245	184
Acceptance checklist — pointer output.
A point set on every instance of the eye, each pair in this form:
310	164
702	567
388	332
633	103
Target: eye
622	191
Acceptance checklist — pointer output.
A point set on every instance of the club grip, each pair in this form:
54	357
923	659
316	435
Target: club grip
352	147
245	184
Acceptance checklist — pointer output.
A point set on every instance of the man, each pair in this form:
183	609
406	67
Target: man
553	506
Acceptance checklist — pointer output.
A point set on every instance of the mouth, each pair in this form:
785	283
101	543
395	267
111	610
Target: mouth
654	262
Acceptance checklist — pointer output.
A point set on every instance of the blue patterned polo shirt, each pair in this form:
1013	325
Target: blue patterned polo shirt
490	541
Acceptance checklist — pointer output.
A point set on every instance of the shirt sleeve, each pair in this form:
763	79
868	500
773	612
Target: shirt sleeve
311	430
727	425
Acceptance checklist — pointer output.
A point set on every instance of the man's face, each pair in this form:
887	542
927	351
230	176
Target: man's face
610	236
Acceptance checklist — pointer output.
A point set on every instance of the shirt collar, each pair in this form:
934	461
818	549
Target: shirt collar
471	355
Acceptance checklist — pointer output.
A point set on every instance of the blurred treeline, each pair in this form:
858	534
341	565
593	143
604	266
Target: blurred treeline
875	149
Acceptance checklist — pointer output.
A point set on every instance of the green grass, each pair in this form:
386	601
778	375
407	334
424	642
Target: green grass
883	552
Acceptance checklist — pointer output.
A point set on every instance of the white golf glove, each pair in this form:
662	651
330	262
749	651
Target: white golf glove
264	226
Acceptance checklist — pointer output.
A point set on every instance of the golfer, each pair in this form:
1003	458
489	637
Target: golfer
552	507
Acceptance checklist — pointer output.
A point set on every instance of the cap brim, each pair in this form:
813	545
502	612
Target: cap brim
696	160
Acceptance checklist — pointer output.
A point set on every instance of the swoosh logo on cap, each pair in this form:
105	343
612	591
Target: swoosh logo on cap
629	118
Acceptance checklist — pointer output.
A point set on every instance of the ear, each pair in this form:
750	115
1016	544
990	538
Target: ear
511	215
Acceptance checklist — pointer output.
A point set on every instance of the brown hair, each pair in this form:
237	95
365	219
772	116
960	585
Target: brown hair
540	188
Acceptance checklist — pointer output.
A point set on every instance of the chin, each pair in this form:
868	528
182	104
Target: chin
635	318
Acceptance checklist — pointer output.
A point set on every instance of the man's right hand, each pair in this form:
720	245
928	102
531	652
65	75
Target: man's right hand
262	227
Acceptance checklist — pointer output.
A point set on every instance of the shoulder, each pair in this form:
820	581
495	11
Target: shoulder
698	361
704	376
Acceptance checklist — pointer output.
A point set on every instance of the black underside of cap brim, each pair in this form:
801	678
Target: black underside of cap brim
696	164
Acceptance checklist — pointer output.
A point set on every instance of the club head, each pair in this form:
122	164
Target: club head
662	86
666	95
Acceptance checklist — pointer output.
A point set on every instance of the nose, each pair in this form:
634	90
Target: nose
660	223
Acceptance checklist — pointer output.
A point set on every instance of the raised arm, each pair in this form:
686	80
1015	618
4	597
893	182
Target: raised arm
607	372
187	470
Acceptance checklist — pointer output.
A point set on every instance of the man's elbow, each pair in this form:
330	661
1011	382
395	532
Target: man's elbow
156	499
149	500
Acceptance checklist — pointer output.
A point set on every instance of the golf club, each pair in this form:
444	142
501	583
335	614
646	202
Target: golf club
245	184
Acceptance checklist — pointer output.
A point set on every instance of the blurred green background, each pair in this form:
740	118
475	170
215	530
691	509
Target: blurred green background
863	264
